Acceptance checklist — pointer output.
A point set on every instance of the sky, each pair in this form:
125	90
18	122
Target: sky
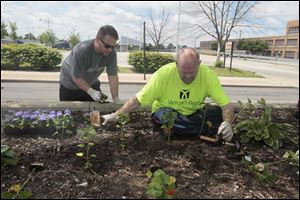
85	18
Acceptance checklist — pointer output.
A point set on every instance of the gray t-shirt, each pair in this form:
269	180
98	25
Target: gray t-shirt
85	62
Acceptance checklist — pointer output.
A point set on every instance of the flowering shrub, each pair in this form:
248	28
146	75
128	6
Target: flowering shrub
39	118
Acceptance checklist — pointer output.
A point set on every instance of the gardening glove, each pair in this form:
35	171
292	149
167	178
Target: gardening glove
109	118
118	101
226	131
96	95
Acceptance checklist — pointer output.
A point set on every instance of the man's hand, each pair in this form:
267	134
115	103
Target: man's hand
109	118
96	95
225	130
118	101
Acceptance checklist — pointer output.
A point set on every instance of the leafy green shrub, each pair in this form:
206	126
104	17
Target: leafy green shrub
35	55
153	61
162	186
219	64
260	127
8	156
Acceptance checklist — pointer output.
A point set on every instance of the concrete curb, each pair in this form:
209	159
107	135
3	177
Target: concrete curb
104	108
139	83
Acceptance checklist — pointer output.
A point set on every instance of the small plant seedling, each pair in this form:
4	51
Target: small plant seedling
122	119
161	186
87	135
168	123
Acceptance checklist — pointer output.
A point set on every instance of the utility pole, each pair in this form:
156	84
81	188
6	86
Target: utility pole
179	12
144	51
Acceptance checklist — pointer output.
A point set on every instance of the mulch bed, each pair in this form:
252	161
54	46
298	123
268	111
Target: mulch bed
202	169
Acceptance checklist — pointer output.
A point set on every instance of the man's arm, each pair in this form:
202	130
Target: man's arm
129	106
114	86
81	83
228	112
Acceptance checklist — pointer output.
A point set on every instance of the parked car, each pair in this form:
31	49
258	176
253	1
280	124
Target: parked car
62	45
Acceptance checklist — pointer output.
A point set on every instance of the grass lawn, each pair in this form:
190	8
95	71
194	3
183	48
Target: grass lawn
234	72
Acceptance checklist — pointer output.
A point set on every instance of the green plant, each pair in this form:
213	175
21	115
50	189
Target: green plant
261	128
168	123
122	119
219	64
16	191
293	157
161	186
153	61
87	136
8	156
261	171
63	123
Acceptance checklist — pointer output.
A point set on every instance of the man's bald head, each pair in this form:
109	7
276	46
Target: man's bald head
188	63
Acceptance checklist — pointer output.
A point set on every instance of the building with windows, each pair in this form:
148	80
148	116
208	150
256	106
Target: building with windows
286	46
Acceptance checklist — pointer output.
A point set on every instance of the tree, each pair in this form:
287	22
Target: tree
13	33
29	36
254	47
47	38
157	28
3	29
219	18
74	38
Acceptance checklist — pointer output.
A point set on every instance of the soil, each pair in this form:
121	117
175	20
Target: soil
202	169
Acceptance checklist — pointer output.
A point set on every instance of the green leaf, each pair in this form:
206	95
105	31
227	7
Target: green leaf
81	145
80	154
7	195
4	148
24	195
149	174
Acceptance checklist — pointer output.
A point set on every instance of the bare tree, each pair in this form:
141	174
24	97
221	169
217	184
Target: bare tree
219	18
157	29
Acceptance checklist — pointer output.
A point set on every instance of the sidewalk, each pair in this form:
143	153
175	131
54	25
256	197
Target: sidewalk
22	76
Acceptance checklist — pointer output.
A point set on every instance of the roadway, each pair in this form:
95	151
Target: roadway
42	92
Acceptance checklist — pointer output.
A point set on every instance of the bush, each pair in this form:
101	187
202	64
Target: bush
153	61
219	64
37	56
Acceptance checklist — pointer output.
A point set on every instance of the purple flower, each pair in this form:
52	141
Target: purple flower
52	113
51	116
25	116
19	113
33	116
37	112
67	111
59	113
42	117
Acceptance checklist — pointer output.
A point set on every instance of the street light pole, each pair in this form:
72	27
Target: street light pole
179	12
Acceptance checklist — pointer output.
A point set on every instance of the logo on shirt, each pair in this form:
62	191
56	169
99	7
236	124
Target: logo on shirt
184	94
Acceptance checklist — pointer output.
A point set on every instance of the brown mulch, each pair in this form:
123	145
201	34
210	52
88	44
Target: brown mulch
202	170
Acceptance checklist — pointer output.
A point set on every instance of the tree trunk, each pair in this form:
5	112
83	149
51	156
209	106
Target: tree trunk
218	52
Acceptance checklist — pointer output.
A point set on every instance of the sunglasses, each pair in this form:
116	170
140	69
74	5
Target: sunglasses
107	46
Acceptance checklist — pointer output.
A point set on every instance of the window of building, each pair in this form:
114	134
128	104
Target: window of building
289	54
291	42
269	42
279	42
293	30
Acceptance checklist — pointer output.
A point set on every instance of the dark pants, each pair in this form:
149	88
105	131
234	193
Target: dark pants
66	94
205	121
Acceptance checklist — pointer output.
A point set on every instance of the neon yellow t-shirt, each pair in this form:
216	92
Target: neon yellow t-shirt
166	89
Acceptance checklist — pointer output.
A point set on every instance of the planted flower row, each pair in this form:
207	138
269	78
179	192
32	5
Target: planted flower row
38	118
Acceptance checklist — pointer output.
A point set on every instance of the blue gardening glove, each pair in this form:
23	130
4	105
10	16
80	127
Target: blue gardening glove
226	131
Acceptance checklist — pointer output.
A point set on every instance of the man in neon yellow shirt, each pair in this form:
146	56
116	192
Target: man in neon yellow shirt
182	87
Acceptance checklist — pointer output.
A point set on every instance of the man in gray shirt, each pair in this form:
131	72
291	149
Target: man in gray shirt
81	69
